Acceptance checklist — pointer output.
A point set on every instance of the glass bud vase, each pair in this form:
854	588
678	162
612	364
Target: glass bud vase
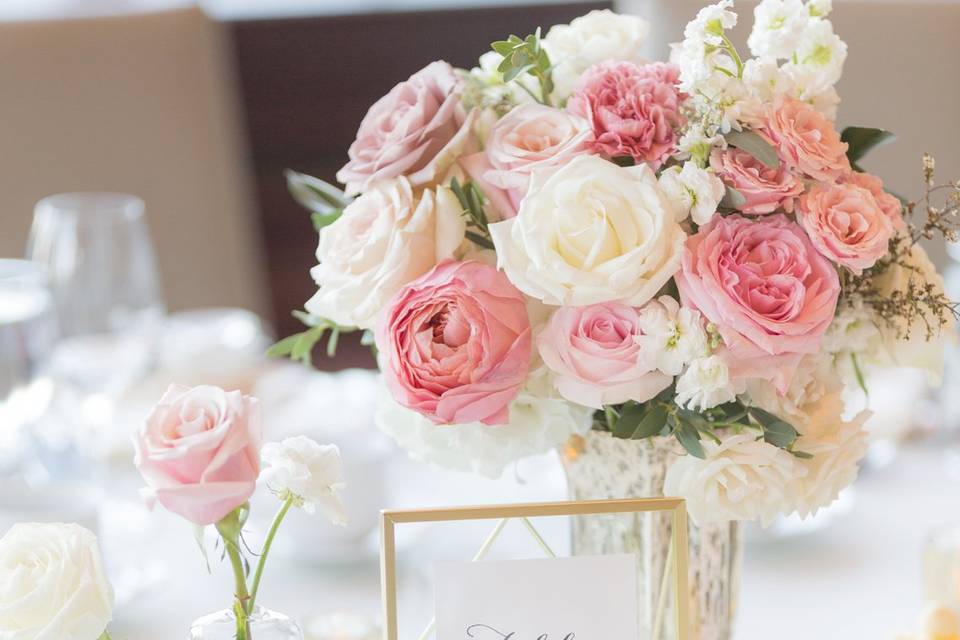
601	467
263	624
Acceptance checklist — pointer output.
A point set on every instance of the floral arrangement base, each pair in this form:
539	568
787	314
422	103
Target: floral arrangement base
262	624
604	467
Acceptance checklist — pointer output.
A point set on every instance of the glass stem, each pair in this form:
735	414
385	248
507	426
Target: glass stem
258	573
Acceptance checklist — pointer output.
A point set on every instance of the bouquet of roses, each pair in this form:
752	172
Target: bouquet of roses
571	237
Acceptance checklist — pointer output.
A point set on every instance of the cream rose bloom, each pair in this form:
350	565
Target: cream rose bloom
591	232
52	585
595	37
386	238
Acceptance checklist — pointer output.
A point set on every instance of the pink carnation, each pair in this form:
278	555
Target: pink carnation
595	356
634	110
805	139
889	203
765	287
765	189
846	224
456	344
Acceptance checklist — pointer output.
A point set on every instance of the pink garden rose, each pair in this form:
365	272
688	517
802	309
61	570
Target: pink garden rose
531	137
634	110
417	130
199	451
595	356
765	287
889	203
845	224
455	344
765	189
805	139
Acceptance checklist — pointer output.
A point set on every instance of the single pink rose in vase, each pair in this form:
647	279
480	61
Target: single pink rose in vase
634	109
455	344
199	451
765	189
805	139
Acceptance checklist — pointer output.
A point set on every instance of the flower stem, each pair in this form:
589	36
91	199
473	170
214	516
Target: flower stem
243	606
258	573
104	635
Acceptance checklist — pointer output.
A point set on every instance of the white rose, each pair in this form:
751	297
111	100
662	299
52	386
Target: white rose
309	472
693	191
778	27
706	383
386	238
595	37
837	448
673	336
742	478
813	378
540	421
591	232
52	585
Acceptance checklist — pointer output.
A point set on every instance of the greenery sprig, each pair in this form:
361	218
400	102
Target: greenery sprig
526	56
472	200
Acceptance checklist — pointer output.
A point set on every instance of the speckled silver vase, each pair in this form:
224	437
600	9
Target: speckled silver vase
603	467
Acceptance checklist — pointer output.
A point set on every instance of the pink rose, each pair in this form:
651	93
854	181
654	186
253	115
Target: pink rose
765	189
805	139
456	344
531	137
594	354
417	130
199	451
763	284
845	224
889	203
634	110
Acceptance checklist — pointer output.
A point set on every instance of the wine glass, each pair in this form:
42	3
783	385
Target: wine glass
106	292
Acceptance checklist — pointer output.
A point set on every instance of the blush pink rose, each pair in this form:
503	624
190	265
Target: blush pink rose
595	356
764	285
889	203
765	189
455	344
805	139
532	137
417	130
199	451
634	110
845	224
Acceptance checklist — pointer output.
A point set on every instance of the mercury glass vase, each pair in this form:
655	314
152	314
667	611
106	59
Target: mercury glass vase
263	624
602	467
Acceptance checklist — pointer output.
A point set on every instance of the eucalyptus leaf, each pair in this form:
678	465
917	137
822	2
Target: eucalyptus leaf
756	146
780	434
321	220
626	420
690	440
315	194
862	140
651	424
733	199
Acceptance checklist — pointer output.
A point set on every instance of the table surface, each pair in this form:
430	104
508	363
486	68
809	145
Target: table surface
860	577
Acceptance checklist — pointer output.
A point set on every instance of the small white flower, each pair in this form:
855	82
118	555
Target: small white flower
819	8
308	472
711	22
743	478
777	28
673	336
696	144
694	192
705	384
818	61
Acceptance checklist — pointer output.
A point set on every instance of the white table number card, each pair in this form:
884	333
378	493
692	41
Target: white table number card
577	598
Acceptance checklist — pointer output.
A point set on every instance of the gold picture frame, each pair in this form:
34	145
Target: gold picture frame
391	517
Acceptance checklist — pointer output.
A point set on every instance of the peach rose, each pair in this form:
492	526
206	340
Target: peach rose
417	130
845	224
199	451
805	139
889	203
532	137
765	189
455	344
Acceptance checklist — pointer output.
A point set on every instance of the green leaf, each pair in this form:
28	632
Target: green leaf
780	434
321	220
623	161
479	240
756	146
803	455
315	194
861	381
513	72
651	424
283	347
624	423
733	199
690	440
862	140
503	47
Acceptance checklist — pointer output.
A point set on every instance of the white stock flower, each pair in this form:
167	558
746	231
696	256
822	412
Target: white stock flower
494	91
540	421
591	232
742	478
696	144
706	383
693	191
595	37
52	585
778	27
819	8
387	237
818	61
673	336
309	472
